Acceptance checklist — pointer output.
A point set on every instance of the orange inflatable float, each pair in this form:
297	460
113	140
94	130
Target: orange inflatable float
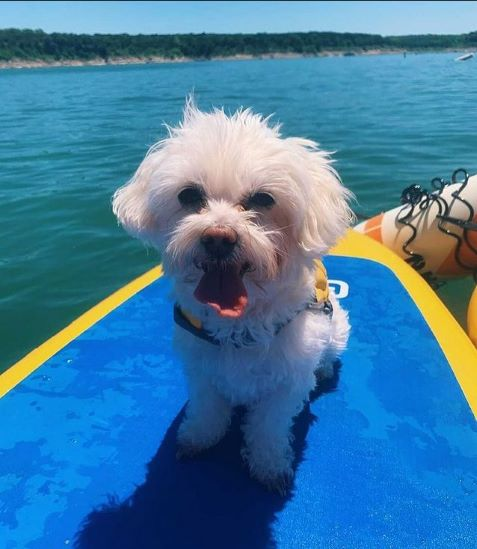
436	232
472	317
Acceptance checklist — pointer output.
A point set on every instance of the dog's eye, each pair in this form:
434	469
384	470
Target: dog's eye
260	200
191	197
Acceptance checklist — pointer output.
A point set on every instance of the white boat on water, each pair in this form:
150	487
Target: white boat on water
464	57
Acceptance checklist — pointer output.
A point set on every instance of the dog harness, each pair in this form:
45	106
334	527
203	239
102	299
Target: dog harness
320	303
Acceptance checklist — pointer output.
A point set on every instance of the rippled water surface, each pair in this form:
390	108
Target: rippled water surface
70	136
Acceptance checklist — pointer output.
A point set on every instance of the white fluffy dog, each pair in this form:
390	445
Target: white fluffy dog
239	215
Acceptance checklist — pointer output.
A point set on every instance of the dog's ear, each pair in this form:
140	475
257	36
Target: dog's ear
136	204
133	203
327	211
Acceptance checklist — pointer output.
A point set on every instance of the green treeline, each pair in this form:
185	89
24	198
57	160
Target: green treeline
18	44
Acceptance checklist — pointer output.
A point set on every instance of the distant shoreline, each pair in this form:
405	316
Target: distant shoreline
27	48
156	60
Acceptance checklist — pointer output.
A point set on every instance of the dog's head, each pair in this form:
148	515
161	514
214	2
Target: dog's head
232	206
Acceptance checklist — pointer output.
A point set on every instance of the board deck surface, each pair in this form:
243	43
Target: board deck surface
386	450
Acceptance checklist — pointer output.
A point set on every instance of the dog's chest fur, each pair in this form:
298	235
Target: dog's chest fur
248	373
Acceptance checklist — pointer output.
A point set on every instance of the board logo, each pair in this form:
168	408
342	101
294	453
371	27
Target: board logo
340	288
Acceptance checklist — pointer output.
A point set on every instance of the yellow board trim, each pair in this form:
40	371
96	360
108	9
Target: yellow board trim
472	317
454	342
33	360
457	347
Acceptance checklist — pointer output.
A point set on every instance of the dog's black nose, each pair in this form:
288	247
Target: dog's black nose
219	241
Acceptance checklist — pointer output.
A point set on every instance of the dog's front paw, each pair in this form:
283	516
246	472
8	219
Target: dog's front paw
273	469
193	437
185	451
280	483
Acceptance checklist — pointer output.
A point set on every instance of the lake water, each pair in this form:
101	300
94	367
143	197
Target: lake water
70	136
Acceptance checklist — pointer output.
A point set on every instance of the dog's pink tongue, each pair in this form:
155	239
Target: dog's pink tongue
223	290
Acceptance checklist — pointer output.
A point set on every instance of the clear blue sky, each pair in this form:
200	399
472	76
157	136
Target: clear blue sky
383	17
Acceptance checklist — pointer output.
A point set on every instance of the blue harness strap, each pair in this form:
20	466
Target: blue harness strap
184	322
189	323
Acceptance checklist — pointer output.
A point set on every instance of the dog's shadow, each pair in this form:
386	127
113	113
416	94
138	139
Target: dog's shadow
206	502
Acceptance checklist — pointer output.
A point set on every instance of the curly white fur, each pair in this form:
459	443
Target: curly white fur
231	158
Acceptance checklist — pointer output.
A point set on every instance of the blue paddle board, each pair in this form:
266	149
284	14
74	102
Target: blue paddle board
386	451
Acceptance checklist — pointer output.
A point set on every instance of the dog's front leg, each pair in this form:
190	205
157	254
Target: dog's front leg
207	416
267	432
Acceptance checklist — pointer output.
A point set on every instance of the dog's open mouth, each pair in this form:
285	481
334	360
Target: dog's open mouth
222	288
